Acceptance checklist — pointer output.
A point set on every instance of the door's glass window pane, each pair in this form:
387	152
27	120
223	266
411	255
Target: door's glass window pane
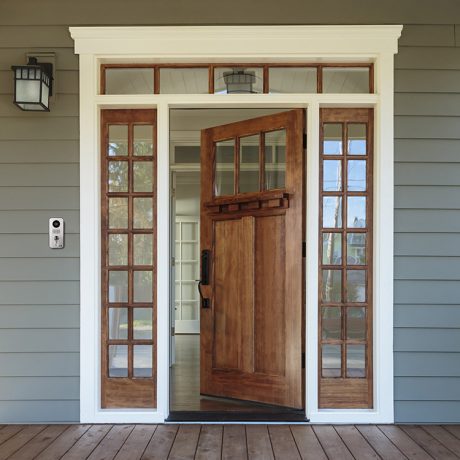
118	212
143	176
356	361
118	361
331	361
118	323
238	80
356	323
143	288
331	321
275	164
356	211
249	164
143	249
357	141
356	249
118	286
345	80
332	143
129	81
356	181
332	175
190	311
118	140
143	213
225	168
356	285
142	361
142	323
292	80
143	140
332	286
332	248
184	81
118	249
118	176
332	212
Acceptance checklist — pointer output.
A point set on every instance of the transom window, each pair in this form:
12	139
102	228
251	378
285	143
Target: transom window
236	78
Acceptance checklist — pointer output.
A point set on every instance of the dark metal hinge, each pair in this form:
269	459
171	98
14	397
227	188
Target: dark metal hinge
303	360
304	249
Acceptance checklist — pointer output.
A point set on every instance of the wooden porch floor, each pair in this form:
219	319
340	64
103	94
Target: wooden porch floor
237	442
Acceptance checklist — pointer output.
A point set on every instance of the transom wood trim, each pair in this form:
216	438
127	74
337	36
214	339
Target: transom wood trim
128	389
345	387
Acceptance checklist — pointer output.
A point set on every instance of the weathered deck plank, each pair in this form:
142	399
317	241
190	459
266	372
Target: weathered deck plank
210	443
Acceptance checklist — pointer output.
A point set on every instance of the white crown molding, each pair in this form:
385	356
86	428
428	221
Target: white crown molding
224	42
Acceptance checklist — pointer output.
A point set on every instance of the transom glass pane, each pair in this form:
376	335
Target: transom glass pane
292	80
345	80
224	182
129	81
184	81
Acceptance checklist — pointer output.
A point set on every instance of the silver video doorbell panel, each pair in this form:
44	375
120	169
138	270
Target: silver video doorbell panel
56	233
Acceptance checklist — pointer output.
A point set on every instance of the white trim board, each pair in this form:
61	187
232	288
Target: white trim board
98	45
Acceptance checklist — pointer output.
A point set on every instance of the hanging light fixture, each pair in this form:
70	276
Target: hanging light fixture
33	85
239	81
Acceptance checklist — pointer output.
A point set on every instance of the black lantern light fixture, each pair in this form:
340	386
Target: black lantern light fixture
239	81
33	85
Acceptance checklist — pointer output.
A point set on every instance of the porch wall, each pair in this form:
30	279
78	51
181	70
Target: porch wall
39	287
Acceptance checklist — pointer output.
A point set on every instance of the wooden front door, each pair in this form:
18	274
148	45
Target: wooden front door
252	205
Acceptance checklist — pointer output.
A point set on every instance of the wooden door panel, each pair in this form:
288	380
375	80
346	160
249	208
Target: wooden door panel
252	333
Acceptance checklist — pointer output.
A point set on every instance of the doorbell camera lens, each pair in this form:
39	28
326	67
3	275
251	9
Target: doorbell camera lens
56	224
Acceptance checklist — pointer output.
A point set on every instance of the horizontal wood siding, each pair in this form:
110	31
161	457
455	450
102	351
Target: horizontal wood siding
39	325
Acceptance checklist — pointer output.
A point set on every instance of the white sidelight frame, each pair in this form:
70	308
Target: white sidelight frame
97	45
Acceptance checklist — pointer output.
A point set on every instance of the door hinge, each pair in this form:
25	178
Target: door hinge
304	141
304	249
303	360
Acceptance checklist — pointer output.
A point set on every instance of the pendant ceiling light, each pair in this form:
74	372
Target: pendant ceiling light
239	80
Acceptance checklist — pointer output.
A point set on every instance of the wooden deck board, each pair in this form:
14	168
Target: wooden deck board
229	442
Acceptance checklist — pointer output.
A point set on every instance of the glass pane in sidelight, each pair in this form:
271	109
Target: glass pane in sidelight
236	80
356	285
184	81
331	362
356	323
356	249
143	213
143	176
332	142
143	249
249	164
356	180
356	212
331	321
143	287
332	286
292	80
129	81
118	360
142	361
118	140
332	212
118	287
143	140
356	361
118	249
275	163
118	176
332	248
224	182
357	139
118	323
332	175
142	323
118	212
346	80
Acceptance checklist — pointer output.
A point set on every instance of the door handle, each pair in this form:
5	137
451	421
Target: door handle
204	281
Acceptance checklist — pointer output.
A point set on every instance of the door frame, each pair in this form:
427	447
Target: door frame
98	45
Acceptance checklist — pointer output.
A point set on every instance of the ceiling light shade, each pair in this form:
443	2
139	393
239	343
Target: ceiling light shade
239	81
33	85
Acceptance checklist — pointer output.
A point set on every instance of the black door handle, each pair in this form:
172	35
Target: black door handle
204	281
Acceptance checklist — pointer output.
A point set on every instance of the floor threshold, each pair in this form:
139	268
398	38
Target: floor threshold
231	416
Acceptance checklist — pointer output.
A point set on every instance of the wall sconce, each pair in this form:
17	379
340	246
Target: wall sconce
33	85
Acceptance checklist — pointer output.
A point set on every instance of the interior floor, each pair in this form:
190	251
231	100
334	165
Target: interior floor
185	383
